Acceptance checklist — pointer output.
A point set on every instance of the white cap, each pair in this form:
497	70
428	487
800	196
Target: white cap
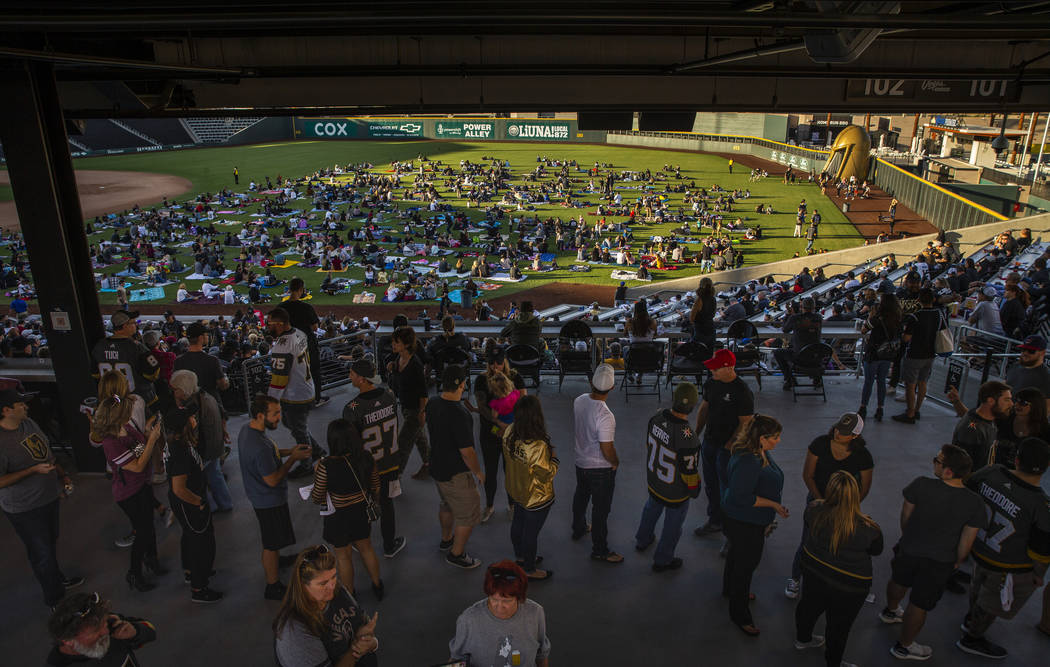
604	378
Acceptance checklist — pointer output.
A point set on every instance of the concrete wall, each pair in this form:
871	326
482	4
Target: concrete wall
768	126
966	240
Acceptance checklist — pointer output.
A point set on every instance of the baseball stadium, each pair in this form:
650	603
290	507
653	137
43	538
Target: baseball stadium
732	314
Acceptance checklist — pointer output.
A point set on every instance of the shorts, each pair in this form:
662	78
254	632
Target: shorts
275	524
348	524
914	371
924	576
460	496
988	586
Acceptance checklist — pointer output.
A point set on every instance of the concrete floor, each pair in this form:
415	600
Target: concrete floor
597	614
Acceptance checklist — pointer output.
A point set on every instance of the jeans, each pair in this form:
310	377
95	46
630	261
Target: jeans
412	433
746	541
387	518
220	492
296	417
674	517
525	531
796	564
840	609
38	530
596	486
875	371
492	453
139	509
197	545
715	460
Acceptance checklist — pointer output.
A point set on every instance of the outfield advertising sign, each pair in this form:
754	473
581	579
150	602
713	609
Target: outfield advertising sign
334	128
537	131
395	128
469	129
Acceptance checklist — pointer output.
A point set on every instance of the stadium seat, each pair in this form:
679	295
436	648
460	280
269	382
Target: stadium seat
811	362
570	360
640	359
448	355
687	359
740	338
526	360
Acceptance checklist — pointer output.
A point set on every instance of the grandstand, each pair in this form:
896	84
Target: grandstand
216	130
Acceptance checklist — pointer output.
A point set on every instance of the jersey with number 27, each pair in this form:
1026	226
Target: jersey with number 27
1018	532
374	413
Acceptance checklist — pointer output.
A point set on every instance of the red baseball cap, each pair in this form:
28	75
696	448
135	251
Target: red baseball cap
723	359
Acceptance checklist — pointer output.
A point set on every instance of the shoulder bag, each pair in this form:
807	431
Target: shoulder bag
943	342
888	350
371	508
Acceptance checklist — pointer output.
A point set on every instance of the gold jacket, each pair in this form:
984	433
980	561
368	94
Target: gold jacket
530	470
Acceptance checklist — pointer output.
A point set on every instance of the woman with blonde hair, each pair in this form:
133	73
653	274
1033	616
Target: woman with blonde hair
304	630
750	504
128	451
836	566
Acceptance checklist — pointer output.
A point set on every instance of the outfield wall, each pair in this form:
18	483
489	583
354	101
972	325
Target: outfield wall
554	130
965	240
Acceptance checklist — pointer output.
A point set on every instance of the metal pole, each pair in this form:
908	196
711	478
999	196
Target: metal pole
1039	161
1024	145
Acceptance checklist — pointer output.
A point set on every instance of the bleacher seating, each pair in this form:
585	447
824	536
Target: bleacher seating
218	130
100	135
165	131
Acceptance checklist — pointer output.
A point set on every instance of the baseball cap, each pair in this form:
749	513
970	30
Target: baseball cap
366	369
497	355
685	397
168	313
195	330
604	378
1033	456
1034	342
723	359
990	292
850	423
452	377
122	317
8	397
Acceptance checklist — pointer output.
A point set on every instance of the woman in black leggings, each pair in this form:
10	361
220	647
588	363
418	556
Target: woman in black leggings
490	433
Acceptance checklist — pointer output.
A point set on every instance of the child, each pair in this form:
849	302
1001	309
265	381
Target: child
615	356
504	396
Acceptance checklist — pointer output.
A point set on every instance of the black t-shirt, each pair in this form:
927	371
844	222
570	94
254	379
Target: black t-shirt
727	402
342	618
804	329
409	384
451	429
185	460
859	460
923	326
303	317
941	512
207	368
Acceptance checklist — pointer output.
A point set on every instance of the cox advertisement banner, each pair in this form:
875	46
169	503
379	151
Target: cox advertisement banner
329	128
464	129
394	128
533	131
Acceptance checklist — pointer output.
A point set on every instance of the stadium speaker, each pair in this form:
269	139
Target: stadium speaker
666	121
613	120
75	127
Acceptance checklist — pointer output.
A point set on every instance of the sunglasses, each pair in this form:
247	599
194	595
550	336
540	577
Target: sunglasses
503	574
89	605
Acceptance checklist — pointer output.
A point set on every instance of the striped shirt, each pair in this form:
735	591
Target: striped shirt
333	476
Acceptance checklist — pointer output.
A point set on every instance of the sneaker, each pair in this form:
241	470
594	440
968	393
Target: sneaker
982	647
464	560
708	528
487	514
904	418
791	591
275	591
916	651
815	642
445	545
675	564
399	544
72	582
891	616
126	541
322	401
206	596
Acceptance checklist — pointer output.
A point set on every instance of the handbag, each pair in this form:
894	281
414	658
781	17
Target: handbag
371	508
888	350
943	343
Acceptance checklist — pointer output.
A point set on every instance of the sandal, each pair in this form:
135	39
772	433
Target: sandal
610	557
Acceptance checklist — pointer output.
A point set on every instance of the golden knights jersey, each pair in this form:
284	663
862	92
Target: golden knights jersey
1018	531
673	458
290	379
374	413
131	358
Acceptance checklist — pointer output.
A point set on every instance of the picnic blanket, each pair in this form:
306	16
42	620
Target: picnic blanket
617	274
547	257
364	297
505	278
342	270
113	290
287	264
488	287
148	294
201	276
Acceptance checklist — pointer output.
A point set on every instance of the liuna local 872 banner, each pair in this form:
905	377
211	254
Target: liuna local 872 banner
537	131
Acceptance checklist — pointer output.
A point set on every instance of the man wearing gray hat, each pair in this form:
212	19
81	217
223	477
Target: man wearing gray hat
672	476
596	463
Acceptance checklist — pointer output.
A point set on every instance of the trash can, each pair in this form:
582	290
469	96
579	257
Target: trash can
845	207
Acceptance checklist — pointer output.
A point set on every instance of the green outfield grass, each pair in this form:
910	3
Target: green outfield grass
211	169
5	193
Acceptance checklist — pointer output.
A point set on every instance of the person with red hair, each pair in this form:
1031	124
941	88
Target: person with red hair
504	628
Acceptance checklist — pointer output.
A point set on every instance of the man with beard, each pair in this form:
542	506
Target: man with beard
266	485
1030	371
292	382
86	633
977	432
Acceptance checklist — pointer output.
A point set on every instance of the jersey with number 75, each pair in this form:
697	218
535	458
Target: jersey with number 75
673	453
374	413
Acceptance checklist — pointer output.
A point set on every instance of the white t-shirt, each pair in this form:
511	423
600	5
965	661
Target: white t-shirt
988	318
594	422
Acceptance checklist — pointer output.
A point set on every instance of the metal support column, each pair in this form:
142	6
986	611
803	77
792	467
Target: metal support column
32	129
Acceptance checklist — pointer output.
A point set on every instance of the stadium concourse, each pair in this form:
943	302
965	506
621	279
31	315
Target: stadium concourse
596	613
